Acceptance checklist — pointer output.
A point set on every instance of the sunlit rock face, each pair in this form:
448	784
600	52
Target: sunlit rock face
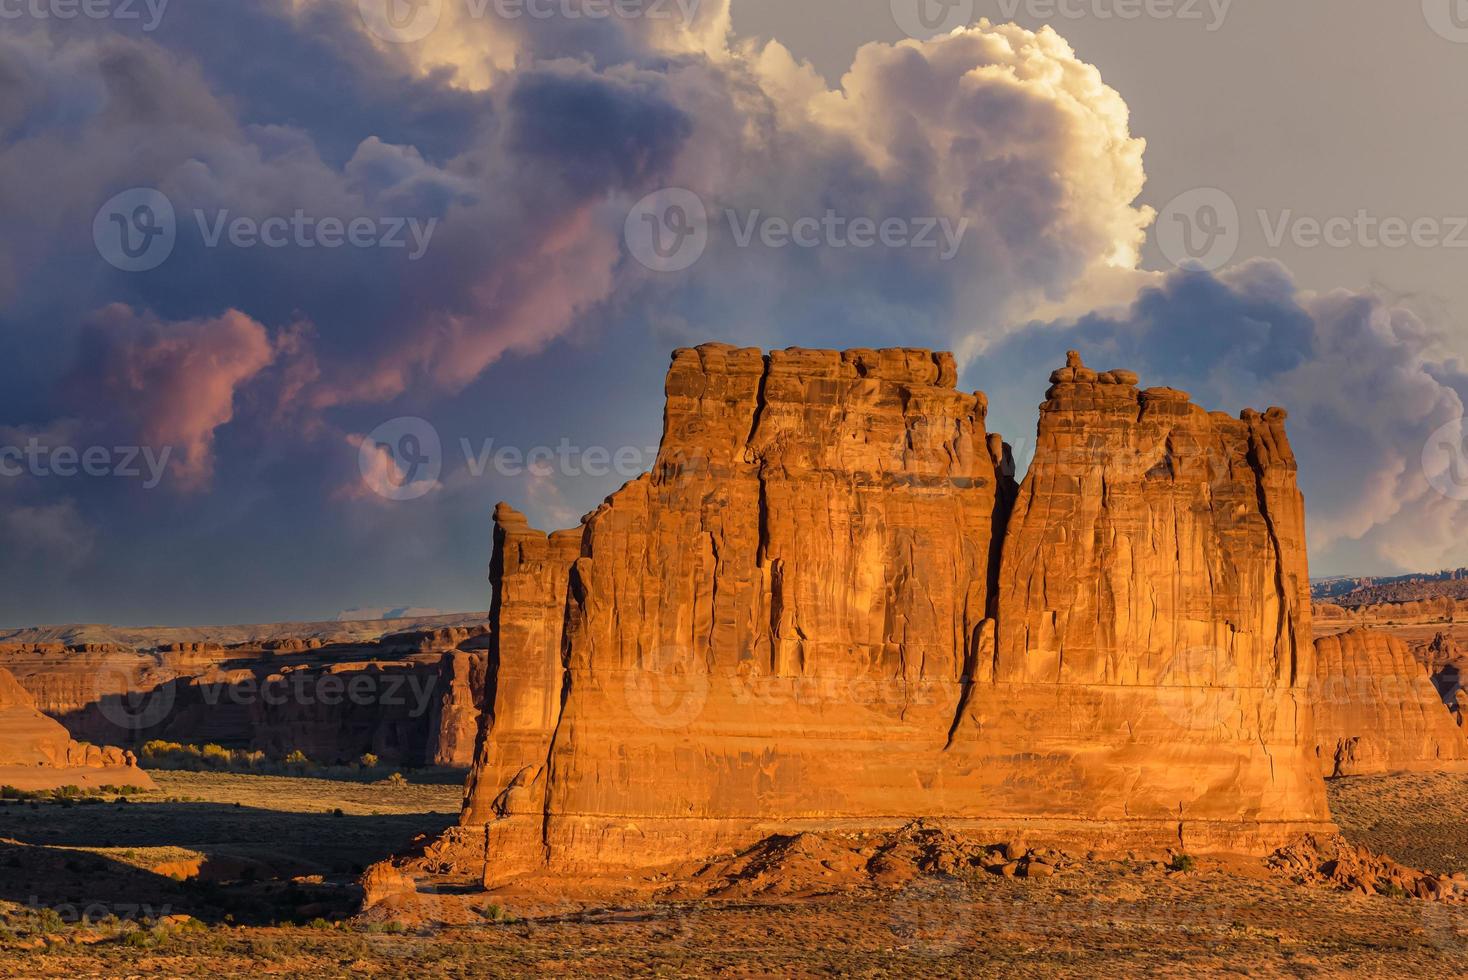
829	606
37	753
1377	711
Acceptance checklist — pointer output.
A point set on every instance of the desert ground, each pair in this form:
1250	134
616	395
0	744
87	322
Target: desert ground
221	874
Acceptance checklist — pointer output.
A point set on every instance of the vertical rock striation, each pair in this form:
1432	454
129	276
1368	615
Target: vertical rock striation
1377	711
818	612
1154	630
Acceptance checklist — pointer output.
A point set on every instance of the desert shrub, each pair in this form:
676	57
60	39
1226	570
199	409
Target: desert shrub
1182	862
216	756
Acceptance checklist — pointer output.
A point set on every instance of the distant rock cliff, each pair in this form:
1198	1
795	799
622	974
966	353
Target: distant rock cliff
36	753
1377	711
818	612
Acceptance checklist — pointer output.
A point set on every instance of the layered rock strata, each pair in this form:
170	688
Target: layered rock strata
412	699
1377	711
37	753
818	613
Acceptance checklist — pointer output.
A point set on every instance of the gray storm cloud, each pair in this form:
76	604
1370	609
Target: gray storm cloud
1366	383
528	142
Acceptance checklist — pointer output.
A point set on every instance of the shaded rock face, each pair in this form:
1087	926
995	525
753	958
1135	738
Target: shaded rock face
1377	711
411	699
818	612
1448	662
37	753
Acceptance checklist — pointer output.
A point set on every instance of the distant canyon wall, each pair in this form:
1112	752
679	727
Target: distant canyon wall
1442	609
1377	709
411	699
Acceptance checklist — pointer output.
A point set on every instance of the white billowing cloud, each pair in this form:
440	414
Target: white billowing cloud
1000	134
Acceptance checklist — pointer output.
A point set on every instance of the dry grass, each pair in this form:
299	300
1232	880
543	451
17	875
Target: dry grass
1112	919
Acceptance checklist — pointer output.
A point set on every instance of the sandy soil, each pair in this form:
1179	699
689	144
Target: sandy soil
1112	919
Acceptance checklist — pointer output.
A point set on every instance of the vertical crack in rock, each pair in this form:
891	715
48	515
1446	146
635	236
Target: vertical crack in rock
1077	654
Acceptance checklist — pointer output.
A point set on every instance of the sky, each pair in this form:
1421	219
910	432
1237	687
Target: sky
293	292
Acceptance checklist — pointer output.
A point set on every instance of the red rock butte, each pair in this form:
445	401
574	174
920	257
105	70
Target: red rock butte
830	607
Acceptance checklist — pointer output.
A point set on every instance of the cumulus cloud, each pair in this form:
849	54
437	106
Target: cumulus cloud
169	385
526	141
997	131
1366	383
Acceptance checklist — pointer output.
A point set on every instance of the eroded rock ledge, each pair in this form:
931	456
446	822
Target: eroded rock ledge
829	607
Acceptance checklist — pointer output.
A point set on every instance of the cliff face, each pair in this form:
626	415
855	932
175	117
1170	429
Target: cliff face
36	753
1154	630
801	620
1377	711
410	698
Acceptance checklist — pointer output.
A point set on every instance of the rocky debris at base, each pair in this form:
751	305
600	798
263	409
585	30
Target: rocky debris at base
1334	861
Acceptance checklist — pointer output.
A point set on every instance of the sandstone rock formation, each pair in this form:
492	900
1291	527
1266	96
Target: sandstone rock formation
1442	609
1448	662
36	753
818	613
412	699
1377	711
